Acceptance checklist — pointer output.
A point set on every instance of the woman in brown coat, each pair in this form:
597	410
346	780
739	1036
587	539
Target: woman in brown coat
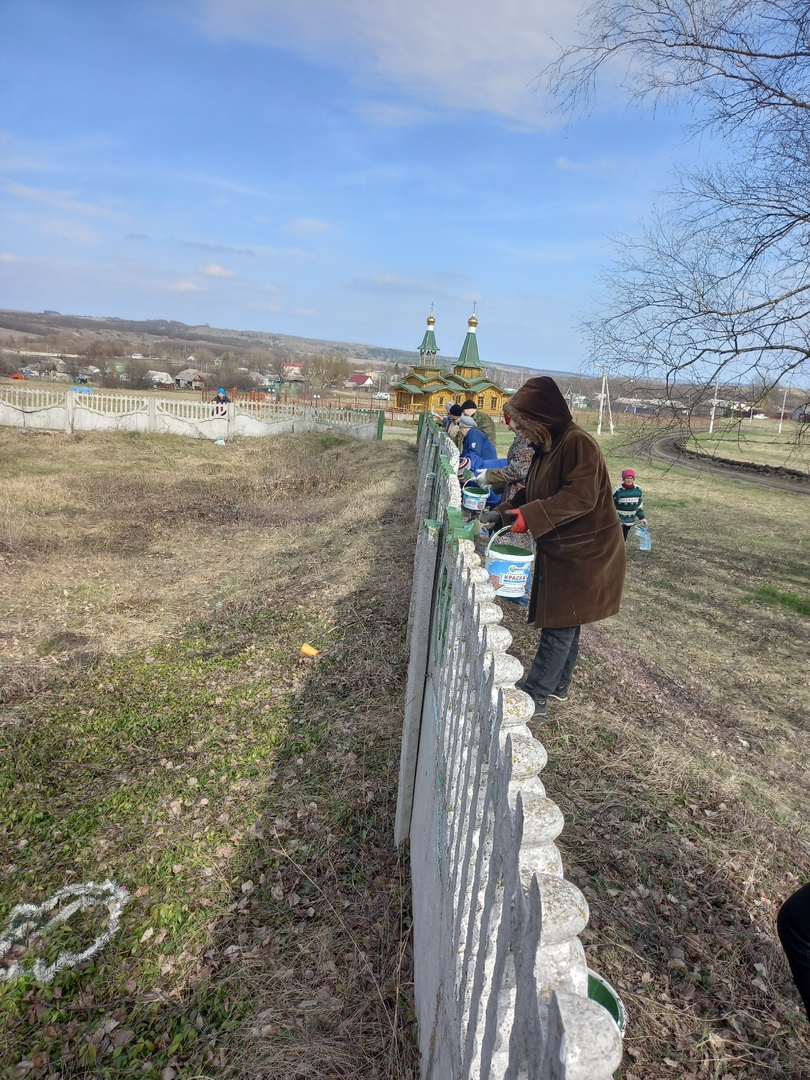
567	506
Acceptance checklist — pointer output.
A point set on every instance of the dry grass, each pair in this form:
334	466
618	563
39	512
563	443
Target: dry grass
154	594
763	444
680	762
167	585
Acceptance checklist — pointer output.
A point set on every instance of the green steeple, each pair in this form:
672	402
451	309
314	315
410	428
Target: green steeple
428	348
468	357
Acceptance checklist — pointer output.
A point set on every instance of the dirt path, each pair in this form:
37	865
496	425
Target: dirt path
670	449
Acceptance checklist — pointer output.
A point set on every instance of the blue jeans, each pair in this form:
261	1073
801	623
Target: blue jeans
554	661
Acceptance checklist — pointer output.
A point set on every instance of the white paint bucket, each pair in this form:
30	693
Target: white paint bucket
473	497
508	566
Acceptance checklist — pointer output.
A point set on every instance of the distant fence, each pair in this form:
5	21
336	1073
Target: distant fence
501	980
75	410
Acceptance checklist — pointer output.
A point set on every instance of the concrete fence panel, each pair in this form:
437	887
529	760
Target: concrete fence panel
69	411
501	979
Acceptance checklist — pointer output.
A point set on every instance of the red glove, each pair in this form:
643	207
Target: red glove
519	525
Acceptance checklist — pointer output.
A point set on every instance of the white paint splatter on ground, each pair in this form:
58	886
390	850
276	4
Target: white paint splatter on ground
28	923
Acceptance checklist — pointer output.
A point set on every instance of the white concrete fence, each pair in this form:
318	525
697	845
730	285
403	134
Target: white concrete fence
72	410
501	979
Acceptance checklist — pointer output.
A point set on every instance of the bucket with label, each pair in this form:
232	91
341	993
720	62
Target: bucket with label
473	497
509	566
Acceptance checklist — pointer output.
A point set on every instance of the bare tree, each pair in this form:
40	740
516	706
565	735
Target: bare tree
228	374
716	287
137	374
324	370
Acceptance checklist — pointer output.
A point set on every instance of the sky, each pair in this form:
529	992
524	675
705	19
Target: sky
328	169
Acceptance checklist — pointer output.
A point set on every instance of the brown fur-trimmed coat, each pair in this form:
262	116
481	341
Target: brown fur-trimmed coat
568	505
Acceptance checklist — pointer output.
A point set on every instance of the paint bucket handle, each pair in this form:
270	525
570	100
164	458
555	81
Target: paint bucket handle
495	535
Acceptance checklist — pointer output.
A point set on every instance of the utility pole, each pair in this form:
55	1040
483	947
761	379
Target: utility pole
601	401
714	407
782	410
605	397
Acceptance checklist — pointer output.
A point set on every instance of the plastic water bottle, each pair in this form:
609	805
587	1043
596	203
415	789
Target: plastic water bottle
644	538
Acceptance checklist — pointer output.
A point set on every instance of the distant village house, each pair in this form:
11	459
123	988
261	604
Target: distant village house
189	379
360	380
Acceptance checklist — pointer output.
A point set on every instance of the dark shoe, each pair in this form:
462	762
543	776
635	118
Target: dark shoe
559	695
540	709
540	704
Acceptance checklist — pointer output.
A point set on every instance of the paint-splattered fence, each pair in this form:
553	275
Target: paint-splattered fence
75	410
501	980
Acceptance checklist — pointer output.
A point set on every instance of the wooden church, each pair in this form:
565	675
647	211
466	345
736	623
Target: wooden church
426	388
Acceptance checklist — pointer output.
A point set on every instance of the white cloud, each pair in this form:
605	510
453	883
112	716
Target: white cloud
393	114
305	226
468	54
215	270
226	185
58	200
7	257
307	312
184	286
72	231
219	249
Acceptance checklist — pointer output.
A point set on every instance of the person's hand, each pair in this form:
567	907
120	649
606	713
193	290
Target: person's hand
481	477
519	525
491	517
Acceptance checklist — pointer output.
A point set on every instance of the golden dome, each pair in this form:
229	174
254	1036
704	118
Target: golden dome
473	320
430	320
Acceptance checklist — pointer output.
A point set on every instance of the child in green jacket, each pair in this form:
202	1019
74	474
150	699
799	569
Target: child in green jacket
627	499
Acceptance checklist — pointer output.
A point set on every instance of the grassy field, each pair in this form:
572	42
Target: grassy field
160	728
680	761
757	441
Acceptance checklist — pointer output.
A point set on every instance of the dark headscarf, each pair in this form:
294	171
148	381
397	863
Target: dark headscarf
541	400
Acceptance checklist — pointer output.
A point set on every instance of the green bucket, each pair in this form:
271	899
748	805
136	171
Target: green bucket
600	990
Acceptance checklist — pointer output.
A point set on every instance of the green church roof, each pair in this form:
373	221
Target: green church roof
429	343
468	357
429	340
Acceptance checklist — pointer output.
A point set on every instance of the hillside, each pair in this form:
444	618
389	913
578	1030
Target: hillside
156	336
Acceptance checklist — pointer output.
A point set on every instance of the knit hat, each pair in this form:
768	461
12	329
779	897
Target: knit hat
627	473
455	410
468	404
466	422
